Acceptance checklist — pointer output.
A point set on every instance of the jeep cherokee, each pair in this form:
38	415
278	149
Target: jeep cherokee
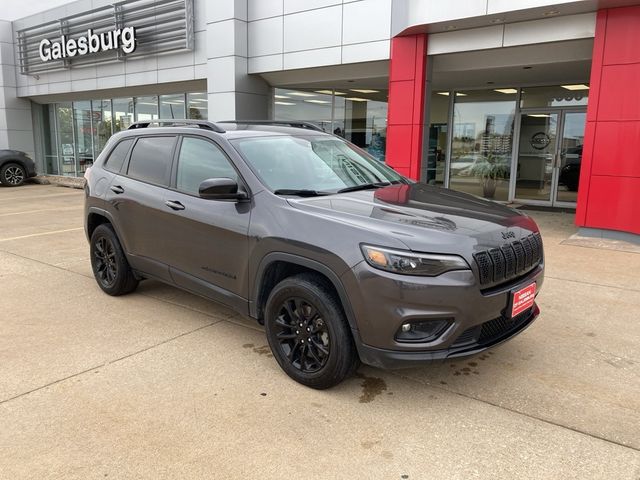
341	258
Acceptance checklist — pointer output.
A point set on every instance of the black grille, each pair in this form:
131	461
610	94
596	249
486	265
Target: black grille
509	261
491	330
494	329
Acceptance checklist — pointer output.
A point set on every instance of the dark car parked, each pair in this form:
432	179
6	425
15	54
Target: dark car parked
340	257
570	172
15	167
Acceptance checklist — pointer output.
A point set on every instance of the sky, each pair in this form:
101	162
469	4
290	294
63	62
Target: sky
12	9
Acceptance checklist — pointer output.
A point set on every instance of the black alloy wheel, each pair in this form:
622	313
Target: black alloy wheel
308	332
12	175
105	261
303	336
109	263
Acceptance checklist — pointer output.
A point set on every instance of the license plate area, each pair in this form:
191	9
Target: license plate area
522	300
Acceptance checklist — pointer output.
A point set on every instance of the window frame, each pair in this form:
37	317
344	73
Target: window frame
105	163
167	179
242	184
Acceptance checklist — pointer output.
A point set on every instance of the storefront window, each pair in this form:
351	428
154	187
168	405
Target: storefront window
75	133
84	135
66	144
102	124
146	108
49	139
436	150
482	142
172	106
556	96
197	106
122	113
358	115
304	105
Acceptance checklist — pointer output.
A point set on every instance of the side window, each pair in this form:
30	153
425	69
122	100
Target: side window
151	159
199	160
118	156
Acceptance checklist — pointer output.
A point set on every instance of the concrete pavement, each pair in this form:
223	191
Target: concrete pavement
163	384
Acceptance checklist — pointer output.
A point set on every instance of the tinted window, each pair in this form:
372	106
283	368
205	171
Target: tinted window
199	160
151	159
118	155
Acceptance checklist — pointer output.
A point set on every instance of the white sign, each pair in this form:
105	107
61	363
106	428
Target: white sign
124	39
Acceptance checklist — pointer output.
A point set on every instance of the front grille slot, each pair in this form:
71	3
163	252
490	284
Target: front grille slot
498	264
509	261
492	330
485	267
496	328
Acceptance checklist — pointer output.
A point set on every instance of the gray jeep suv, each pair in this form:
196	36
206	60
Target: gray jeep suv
341	258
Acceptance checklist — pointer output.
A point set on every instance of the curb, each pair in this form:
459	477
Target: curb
59	180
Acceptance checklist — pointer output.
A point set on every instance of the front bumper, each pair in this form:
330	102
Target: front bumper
476	343
478	319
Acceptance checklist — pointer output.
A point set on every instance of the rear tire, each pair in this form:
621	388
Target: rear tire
308	333
12	175
109	263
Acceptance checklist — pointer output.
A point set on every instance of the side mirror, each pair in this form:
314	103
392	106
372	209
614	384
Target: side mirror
221	189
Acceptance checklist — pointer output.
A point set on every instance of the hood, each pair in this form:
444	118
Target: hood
425	217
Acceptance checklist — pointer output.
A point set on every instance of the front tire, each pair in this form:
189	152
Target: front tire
109	264
12	175
308	332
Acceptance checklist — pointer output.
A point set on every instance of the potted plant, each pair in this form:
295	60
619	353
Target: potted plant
489	171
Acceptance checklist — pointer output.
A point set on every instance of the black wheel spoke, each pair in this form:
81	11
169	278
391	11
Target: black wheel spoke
303	349
280	321
313	354
293	351
291	311
320	347
286	336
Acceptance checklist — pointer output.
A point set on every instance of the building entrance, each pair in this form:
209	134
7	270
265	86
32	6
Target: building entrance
549	150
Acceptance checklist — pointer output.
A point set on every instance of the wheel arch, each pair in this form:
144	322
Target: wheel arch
96	217
277	266
11	159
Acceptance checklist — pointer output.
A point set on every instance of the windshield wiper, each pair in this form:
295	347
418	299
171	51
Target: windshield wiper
364	186
300	192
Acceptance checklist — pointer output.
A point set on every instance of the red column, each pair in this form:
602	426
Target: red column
609	194
405	122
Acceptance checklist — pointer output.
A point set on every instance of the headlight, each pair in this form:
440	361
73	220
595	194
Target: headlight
409	263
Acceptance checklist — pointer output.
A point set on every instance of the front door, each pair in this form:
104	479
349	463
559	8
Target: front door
206	240
549	155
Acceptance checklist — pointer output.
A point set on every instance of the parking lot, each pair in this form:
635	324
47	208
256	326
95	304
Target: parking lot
163	384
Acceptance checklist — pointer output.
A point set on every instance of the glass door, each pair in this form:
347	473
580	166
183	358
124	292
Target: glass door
570	157
536	156
549	156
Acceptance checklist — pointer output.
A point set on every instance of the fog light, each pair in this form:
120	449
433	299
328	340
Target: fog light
422	330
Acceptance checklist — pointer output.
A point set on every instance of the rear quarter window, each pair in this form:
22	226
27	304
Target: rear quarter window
151	159
118	155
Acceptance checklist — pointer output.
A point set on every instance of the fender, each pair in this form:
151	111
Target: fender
102	213
304	262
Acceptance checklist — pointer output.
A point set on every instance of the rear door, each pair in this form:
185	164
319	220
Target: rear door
136	196
206	242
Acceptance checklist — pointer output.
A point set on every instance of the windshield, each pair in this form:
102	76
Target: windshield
312	163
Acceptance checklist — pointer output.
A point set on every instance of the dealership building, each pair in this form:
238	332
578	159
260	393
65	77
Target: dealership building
527	101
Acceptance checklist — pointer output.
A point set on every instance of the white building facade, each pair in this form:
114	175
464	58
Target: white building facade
492	97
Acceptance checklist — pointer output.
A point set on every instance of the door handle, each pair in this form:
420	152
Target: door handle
558	160
174	205
117	189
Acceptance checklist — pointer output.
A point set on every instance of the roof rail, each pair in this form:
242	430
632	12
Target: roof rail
177	123
283	123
